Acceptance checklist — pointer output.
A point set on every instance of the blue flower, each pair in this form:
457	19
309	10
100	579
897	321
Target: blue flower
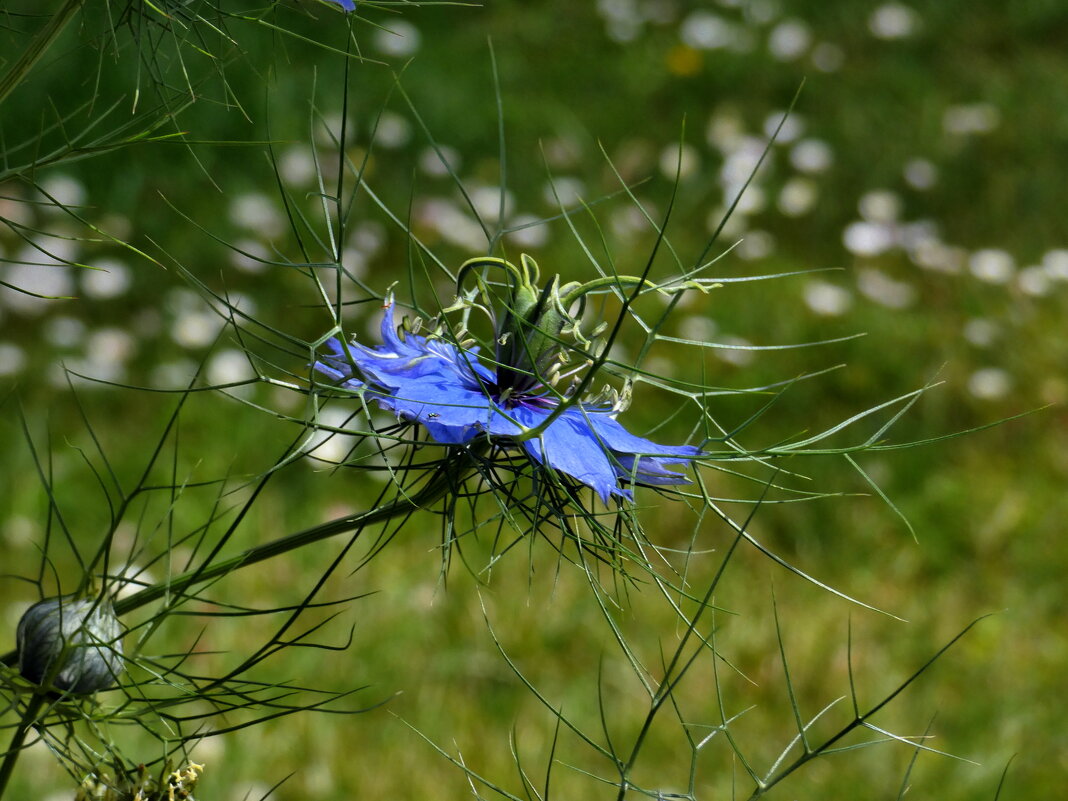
348	5
456	397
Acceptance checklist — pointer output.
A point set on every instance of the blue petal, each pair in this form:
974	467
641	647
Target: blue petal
449	434
620	440
568	445
647	470
637	459
413	356
335	366
422	380
442	406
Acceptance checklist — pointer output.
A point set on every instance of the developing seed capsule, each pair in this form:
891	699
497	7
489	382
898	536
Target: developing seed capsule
83	632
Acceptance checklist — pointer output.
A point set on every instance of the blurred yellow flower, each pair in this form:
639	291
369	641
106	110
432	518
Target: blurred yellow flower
683	60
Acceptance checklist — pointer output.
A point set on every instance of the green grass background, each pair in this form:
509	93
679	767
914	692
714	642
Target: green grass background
988	509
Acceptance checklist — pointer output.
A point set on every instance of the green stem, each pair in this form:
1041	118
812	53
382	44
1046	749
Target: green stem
619	281
267	550
29	718
448	477
40	44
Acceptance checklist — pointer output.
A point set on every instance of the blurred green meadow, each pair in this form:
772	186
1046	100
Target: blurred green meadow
914	196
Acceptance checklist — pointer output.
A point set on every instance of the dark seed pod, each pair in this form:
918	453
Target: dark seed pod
84	633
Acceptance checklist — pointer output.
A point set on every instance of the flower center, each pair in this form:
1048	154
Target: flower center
510	397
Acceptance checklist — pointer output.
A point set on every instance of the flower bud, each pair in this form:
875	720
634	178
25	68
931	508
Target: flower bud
75	644
529	334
